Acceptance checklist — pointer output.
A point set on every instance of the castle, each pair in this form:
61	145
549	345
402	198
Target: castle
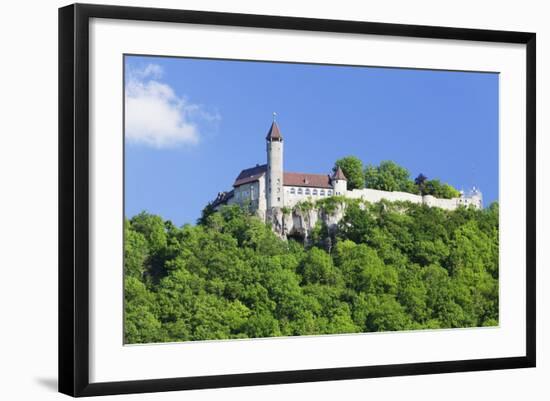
268	187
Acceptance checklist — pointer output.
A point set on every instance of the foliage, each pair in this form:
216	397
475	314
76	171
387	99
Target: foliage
420	182
207	211
389	176
331	203
305	205
440	190
352	168
387	266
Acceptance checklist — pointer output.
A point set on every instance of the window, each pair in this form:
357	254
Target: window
299	191
314	192
330	191
292	190
307	191
322	192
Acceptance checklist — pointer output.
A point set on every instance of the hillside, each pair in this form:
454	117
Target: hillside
385	266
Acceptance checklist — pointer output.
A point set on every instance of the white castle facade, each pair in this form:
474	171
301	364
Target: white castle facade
268	186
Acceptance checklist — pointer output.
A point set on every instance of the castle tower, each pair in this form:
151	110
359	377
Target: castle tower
476	198
339	182
274	184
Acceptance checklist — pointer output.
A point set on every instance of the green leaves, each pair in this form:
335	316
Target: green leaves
317	268
353	170
388	266
440	190
389	176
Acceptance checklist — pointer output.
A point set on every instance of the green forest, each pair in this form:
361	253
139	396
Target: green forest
387	266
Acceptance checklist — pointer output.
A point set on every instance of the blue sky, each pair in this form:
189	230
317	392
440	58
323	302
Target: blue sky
192	125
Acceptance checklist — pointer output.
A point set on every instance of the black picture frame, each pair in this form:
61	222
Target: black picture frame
74	198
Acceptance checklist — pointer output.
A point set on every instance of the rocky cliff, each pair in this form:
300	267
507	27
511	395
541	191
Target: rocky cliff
301	222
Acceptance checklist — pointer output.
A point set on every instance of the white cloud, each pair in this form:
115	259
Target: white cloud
156	116
153	70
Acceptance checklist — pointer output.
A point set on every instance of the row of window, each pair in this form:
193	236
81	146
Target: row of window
308	191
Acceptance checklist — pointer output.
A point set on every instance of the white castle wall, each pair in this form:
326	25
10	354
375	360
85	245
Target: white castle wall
293	196
375	195
449	204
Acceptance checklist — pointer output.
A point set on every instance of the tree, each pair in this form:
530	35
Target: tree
353	170
207	211
135	252
440	190
387	314
317	267
388	266
388	176
357	224
420	182
140	322
152	228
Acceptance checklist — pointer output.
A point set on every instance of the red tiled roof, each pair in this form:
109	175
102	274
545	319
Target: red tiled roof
250	175
307	180
289	179
274	133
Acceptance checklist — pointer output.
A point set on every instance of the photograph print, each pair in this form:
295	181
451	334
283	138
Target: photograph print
278	199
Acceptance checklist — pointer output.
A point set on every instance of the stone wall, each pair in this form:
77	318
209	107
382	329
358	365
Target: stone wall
375	195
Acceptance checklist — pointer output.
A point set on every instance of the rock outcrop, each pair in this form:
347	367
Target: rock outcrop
300	223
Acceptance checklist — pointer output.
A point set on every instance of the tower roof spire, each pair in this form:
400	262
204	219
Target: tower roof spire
339	174
274	133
